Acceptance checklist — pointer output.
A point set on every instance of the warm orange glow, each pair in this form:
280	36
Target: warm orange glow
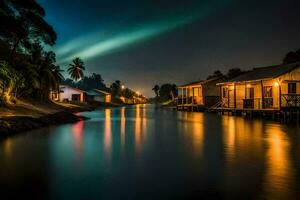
276	84
123	126
8	147
138	128
230	137
278	178
198	133
108	98
107	132
144	119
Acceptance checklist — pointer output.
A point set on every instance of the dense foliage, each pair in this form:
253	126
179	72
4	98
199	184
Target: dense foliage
291	57
165	92
26	68
93	81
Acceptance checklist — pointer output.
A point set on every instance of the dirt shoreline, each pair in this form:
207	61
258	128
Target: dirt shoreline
18	124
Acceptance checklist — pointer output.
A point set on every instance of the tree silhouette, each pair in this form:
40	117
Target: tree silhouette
234	72
216	74
156	90
76	69
168	91
292	57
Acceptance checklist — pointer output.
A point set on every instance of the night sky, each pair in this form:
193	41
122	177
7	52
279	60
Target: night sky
147	42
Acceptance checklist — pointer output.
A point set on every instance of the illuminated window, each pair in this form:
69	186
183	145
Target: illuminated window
197	92
292	88
268	91
250	93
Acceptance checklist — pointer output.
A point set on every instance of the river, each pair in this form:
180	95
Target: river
144	152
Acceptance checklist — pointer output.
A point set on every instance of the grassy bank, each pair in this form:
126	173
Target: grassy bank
28	115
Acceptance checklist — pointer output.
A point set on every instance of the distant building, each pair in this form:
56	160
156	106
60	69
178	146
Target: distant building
98	96
198	95
265	88
134	100
69	94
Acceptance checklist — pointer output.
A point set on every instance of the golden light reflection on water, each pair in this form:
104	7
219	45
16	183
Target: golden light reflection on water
279	177
107	133
191	125
230	132
144	122
8	144
242	138
123	126
138	128
267	144
198	133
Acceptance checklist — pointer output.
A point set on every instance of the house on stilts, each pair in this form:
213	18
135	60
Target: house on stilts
272	89
199	95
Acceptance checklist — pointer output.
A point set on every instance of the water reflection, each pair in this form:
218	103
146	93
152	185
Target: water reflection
198	133
144	122
192	126
123	126
279	178
8	145
138	129
138	147
107	133
77	131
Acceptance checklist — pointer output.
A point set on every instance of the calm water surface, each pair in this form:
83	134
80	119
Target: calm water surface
143	152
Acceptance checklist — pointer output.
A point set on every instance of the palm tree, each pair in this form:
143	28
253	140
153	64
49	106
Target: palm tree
76	69
156	90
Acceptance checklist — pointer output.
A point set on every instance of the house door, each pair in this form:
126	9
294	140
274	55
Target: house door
249	100
268	97
76	97
231	98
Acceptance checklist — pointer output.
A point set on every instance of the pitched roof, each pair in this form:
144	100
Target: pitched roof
79	90
101	91
201	82
96	92
263	73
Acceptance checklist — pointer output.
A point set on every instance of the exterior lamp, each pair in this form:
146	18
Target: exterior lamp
276	84
123	87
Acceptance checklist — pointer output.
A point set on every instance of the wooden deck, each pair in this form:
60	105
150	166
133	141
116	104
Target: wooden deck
285	114
190	107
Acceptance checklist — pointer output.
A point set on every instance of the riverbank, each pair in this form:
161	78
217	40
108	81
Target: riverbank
29	115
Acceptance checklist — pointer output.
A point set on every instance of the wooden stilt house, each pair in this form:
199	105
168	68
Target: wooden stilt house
265	88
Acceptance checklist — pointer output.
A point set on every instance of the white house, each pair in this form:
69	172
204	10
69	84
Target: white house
69	94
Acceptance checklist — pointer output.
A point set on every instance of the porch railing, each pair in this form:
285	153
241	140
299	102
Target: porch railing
248	103
254	103
268	102
290	100
185	100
